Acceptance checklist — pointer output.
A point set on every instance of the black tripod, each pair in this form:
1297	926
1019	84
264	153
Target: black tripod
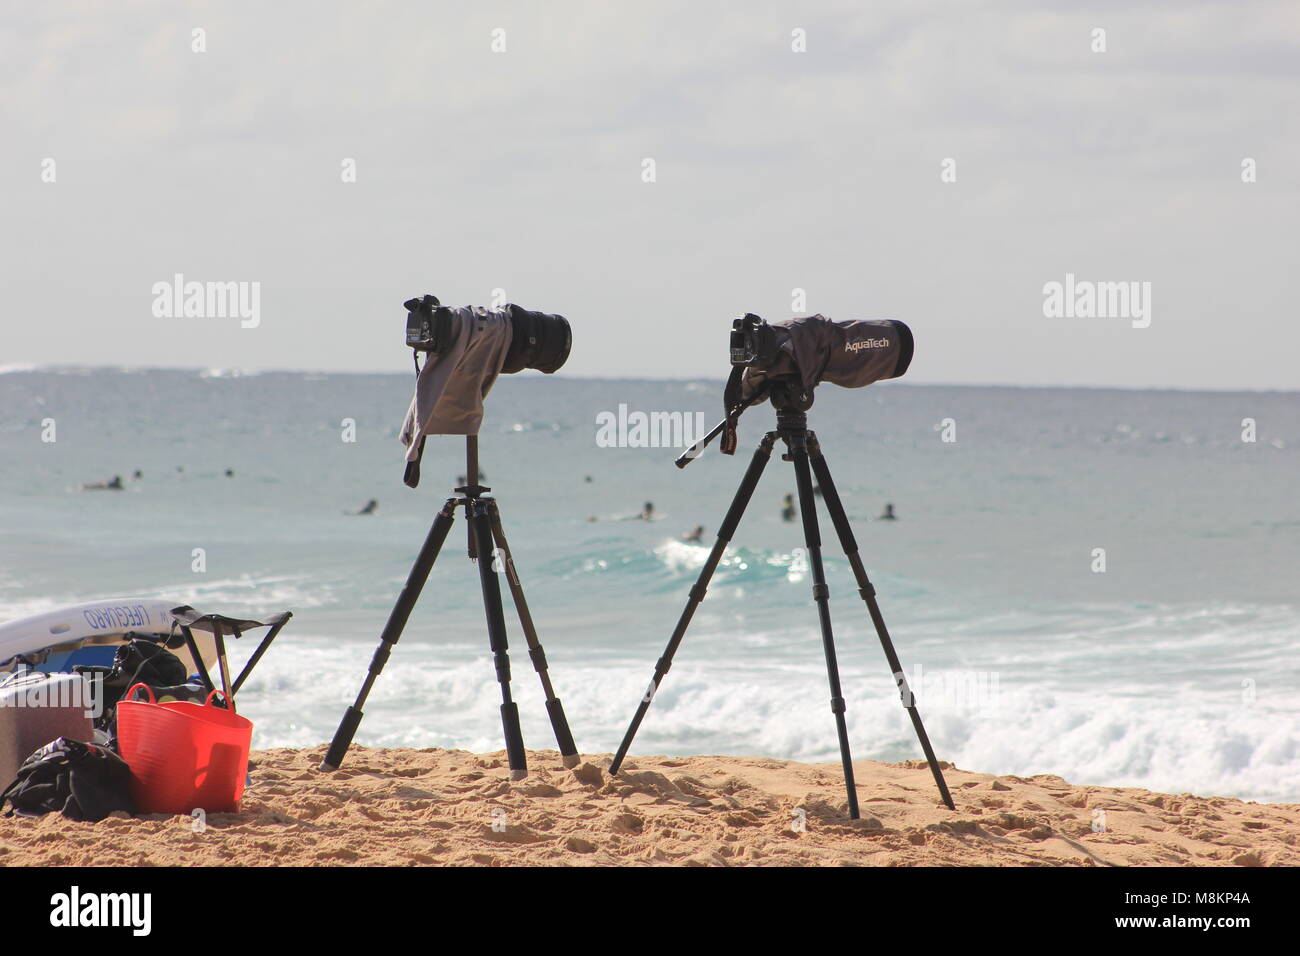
487	544
804	451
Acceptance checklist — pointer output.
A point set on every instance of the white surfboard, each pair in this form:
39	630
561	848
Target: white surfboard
93	623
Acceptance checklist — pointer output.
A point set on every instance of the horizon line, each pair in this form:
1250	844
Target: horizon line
238	372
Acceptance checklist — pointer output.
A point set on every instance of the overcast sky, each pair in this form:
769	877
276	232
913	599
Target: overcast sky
774	170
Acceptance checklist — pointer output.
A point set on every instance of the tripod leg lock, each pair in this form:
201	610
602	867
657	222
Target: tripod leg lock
698	591
661	668
503	669
837	705
380	657
538	657
821	592
867	592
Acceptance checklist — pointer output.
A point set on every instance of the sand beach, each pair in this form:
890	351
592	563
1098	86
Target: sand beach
400	807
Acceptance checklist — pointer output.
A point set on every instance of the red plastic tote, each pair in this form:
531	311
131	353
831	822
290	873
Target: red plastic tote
183	755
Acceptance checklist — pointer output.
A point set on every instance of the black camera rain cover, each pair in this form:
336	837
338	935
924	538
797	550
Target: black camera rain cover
851	353
814	349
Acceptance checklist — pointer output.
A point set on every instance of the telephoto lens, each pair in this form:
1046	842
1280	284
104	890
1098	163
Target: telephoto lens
540	341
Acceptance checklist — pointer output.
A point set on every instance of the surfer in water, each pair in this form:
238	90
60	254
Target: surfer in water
369	508
888	514
695	536
648	512
787	508
114	485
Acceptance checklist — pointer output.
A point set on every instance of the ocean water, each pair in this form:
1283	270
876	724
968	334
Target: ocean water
1176	668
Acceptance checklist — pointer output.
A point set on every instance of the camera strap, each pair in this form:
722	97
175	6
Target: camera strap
732	406
411	476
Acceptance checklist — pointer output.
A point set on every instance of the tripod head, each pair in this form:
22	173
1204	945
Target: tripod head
786	395
789	394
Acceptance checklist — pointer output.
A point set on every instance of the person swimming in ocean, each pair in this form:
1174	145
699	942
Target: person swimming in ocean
369	508
695	536
787	508
114	485
888	514
647	513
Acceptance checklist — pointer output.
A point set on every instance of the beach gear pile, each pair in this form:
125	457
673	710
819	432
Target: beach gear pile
161	739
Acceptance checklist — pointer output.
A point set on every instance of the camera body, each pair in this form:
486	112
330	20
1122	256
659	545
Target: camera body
753	342
428	325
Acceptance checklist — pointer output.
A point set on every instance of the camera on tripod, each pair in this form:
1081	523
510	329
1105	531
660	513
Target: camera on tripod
466	348
538	340
851	353
784	362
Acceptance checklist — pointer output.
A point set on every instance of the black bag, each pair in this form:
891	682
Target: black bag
137	661
80	780
142	661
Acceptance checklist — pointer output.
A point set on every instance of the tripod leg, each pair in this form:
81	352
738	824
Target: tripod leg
563	737
868	592
392	631
821	596
496	623
222	667
738	504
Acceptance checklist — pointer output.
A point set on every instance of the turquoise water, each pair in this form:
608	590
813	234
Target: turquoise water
1175	669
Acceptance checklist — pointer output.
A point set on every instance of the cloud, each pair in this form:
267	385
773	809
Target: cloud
775	169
